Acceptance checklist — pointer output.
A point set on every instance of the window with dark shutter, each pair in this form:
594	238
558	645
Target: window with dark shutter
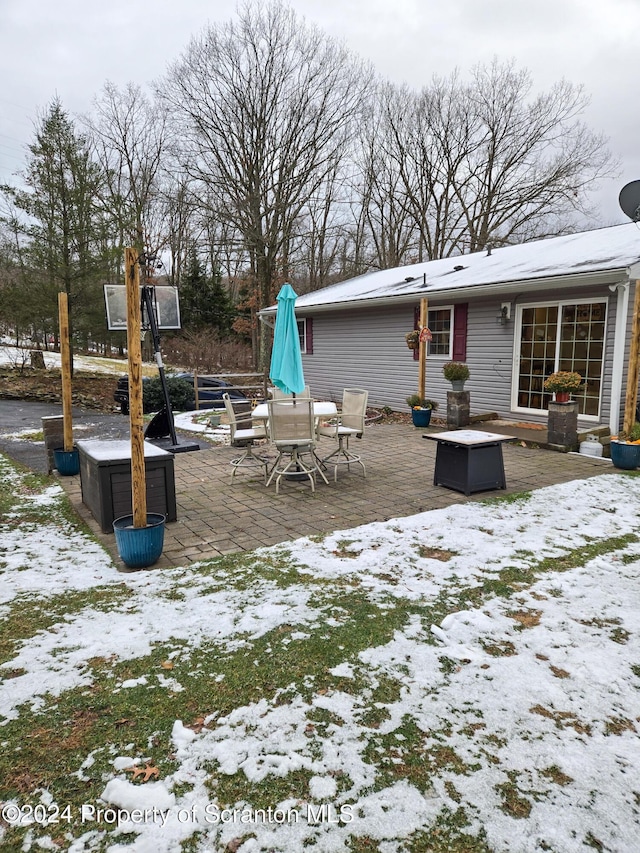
460	331
305	333
308	336
448	327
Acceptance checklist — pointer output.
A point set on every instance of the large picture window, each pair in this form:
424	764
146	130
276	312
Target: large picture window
561	336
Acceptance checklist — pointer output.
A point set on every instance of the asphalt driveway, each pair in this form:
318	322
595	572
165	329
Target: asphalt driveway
17	416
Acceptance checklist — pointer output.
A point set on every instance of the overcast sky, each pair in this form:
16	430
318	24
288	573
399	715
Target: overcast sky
69	48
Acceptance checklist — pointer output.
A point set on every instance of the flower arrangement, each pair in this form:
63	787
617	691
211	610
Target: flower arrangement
563	381
456	371
413	339
415	401
631	437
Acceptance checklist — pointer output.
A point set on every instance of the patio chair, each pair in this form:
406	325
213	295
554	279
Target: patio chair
292	432
244	434
348	424
277	394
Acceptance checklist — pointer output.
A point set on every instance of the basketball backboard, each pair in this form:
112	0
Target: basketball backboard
165	301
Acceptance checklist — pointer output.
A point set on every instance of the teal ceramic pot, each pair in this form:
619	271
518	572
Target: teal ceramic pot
67	461
421	417
140	547
625	456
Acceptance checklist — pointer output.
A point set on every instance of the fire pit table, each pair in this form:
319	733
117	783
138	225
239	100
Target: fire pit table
469	460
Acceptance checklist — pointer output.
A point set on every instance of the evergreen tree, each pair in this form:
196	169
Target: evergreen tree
62	227
204	302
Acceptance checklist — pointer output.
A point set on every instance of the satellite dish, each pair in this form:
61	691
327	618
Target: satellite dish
629	200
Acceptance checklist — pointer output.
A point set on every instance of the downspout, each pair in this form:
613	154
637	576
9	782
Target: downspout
622	309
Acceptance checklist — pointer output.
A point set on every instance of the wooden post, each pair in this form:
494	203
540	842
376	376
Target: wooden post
134	350
422	352
65	370
633	369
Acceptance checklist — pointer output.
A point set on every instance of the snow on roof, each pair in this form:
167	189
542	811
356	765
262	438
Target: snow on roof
602	250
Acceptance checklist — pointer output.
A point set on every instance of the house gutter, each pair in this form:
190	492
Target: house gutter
602	277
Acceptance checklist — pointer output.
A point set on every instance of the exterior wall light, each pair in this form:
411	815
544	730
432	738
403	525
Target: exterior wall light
504	315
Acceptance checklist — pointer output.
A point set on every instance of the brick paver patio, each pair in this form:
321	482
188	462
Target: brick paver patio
215	517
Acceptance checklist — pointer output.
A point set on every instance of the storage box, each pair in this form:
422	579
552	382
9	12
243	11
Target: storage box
105	479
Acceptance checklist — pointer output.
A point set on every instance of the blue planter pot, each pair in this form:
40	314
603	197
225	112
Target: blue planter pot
421	417
67	461
625	456
139	547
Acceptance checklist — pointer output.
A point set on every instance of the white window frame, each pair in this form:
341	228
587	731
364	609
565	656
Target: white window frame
438	355
302	335
517	341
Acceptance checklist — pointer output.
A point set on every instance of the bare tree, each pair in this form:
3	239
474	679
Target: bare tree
130	138
264	106
386	216
485	162
533	163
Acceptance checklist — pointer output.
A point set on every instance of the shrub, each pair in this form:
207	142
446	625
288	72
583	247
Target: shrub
632	436
415	401
456	371
181	394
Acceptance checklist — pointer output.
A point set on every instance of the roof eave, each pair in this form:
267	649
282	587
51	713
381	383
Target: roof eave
604	277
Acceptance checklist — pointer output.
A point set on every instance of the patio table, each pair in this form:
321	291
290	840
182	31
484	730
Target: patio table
321	409
469	460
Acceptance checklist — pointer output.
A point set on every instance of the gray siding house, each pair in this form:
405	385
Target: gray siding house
514	314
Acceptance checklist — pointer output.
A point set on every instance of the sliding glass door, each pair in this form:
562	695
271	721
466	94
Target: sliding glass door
560	336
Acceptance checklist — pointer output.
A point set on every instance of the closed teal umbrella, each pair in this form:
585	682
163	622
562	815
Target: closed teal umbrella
286	360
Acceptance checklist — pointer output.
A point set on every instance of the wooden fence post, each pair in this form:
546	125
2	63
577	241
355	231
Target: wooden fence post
65	370
136	422
633	369
422	352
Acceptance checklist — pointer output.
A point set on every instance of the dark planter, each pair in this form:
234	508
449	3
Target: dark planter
421	417
625	456
139	547
563	396
66	461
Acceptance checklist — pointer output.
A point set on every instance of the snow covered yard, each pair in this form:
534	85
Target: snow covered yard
465	679
11	355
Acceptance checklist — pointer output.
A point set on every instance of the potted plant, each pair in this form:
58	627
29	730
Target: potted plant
413	339
421	409
457	373
562	383
625	449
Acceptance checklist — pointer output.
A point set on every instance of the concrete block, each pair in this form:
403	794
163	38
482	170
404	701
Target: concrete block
458	408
